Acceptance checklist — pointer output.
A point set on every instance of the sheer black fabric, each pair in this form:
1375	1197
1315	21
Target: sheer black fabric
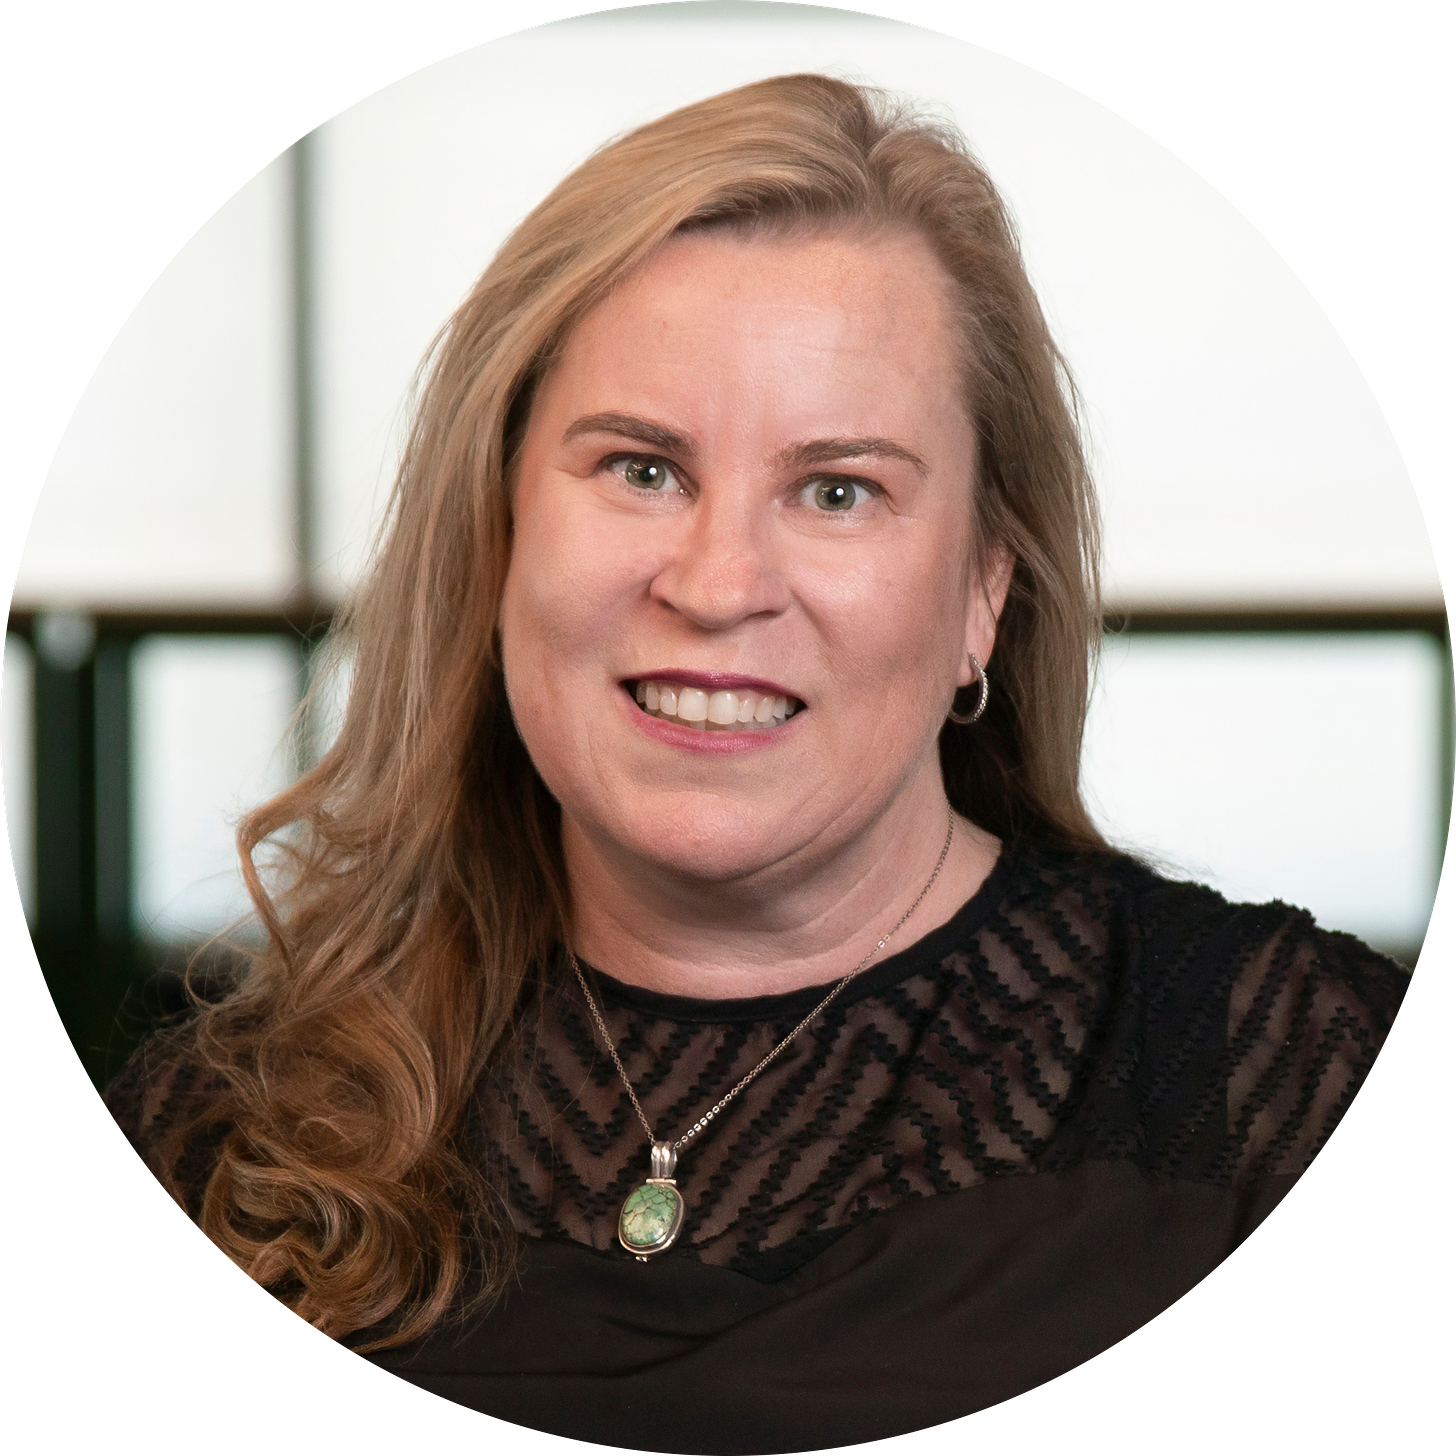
1075	1008
998	1152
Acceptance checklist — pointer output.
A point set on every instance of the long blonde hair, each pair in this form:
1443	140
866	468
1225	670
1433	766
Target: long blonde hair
416	876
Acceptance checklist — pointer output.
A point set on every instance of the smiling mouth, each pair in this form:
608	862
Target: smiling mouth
719	711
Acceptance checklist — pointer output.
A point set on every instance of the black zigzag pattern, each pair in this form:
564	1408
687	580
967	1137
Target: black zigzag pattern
1095	1010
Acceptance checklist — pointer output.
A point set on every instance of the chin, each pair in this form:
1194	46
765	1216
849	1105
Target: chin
702	837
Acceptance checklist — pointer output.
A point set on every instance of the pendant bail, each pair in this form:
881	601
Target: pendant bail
664	1160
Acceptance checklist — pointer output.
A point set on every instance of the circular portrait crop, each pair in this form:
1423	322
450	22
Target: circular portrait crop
671	747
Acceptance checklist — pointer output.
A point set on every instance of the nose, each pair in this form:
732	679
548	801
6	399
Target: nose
720	571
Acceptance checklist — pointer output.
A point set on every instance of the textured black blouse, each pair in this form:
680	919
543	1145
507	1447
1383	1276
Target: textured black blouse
996	1154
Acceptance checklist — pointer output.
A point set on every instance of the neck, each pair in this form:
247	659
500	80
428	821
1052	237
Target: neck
802	923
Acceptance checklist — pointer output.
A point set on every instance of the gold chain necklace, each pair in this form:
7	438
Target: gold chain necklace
652	1215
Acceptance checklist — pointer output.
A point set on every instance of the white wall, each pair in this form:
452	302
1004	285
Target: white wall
208	722
1299	768
173	480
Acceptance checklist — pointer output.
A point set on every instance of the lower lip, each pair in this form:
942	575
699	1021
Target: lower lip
708	740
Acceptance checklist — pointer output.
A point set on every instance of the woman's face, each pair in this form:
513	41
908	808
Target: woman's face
746	486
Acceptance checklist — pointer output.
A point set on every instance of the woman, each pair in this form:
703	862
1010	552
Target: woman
698	1013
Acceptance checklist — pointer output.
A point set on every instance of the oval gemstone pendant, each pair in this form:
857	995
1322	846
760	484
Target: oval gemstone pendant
652	1215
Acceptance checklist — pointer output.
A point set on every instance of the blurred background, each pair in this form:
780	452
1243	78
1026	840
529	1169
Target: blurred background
1273	713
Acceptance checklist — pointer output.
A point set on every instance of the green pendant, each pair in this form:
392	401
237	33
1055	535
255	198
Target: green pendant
651	1217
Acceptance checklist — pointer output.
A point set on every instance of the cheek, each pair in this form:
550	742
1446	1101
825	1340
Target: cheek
569	592
547	629
895	629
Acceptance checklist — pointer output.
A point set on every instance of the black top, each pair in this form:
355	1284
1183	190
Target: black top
996	1154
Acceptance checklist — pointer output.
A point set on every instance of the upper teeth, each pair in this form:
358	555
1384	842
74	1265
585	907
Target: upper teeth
720	710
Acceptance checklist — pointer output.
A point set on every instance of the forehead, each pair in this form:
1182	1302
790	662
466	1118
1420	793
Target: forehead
830	325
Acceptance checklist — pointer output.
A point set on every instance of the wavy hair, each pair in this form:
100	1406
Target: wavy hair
415	877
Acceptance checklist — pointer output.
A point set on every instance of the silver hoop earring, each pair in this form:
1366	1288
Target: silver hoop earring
966	719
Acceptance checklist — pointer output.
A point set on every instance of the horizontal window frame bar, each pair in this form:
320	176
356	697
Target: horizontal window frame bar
1263	618
312	619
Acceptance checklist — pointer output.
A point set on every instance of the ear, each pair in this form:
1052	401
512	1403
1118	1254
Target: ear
983	608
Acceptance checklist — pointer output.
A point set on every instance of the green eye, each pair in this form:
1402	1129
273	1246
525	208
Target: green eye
835	495
644	474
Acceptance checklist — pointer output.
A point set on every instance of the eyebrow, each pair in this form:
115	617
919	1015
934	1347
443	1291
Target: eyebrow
823	452
633	427
793	457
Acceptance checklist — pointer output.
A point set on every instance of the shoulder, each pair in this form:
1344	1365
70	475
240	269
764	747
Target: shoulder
170	1106
1242	1031
1172	925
